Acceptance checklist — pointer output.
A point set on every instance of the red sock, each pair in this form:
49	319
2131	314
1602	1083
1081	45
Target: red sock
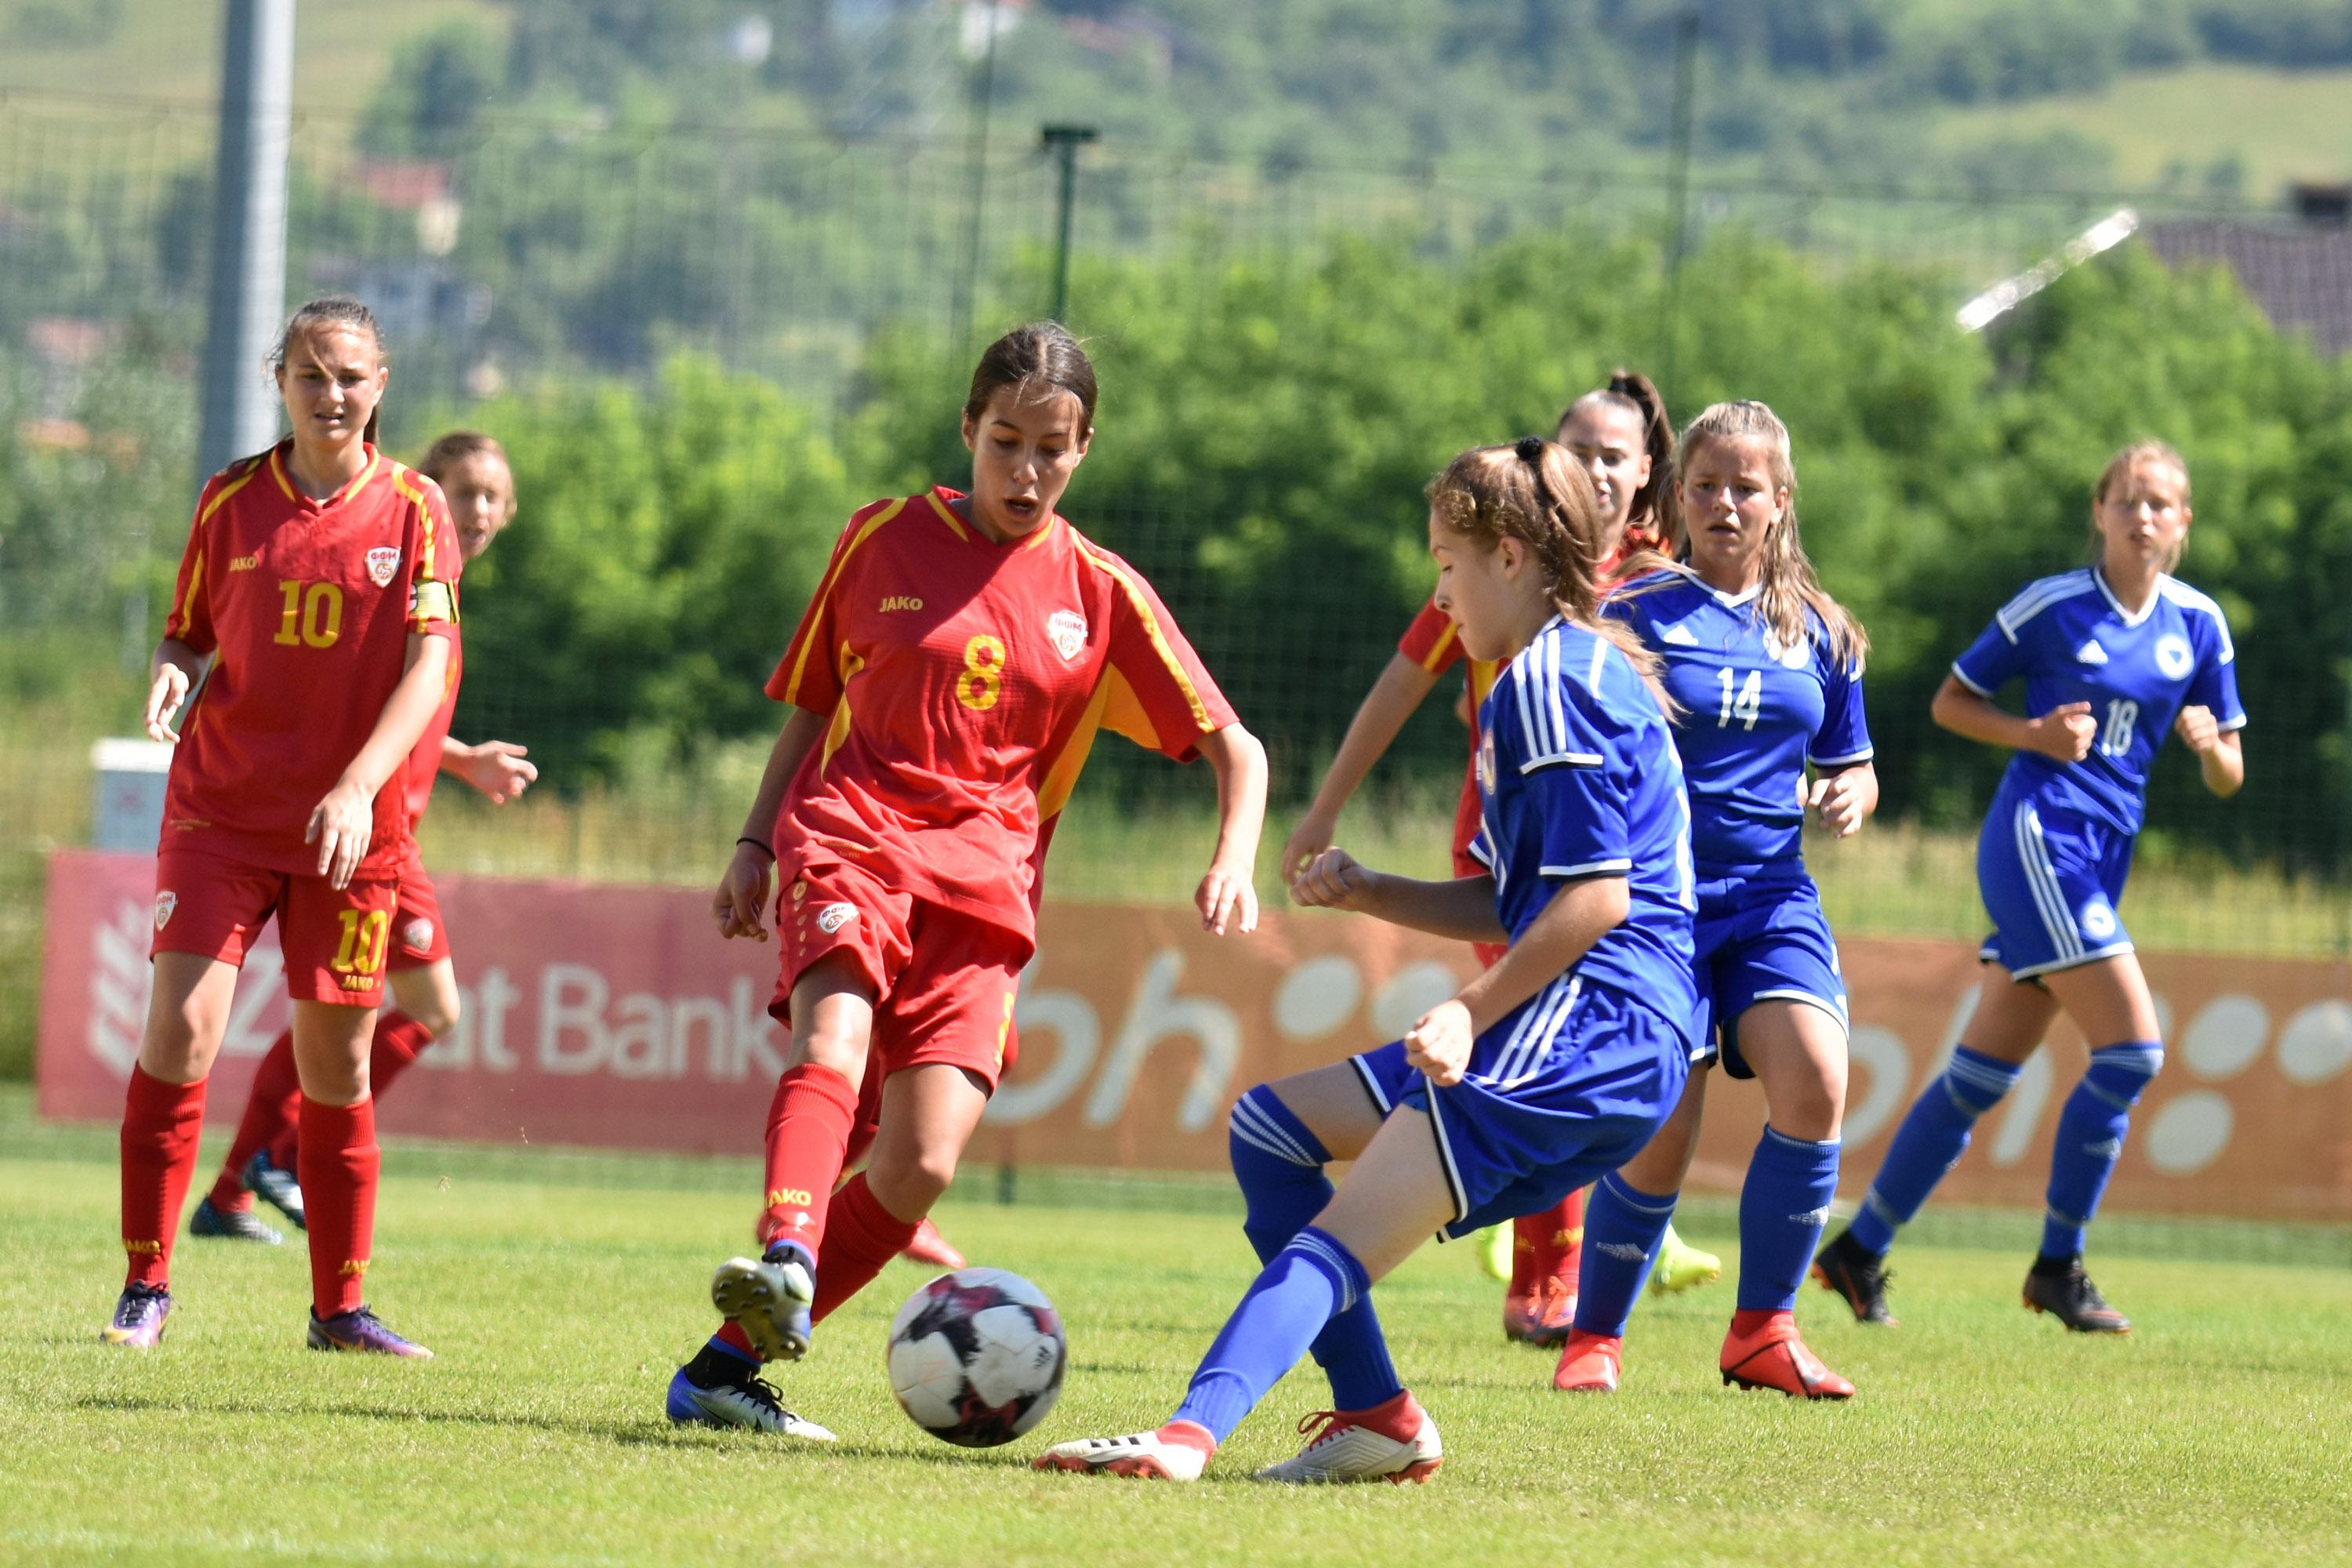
161	1124
399	1039
1746	1321
338	1172
1569	1237
808	1132
1399	1417
1546	1245
862	1239
861	1139
271	1108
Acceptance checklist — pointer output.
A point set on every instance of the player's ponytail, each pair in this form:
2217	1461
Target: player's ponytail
334	311
1791	594
1655	518
1536	492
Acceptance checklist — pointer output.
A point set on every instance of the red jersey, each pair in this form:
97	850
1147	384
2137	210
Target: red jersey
1435	643
306	606
424	764
966	681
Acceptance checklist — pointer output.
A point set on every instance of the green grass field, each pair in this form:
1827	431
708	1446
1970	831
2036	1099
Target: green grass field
559	1291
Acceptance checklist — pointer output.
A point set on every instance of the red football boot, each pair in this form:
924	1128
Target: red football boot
1763	1350
1589	1363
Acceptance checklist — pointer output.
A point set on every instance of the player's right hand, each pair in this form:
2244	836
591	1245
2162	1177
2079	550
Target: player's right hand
1308	839
1334	879
743	893
164	698
2065	733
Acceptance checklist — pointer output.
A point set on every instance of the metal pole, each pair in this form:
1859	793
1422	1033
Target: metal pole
983	101
1063	142
1679	189
247	293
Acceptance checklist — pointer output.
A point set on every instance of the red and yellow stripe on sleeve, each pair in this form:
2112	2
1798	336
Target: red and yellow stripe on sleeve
786	685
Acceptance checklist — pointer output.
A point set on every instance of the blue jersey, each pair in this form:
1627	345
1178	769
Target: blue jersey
2073	642
1578	777
1755	713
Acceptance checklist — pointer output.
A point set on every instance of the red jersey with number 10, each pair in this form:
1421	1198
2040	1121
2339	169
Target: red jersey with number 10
306	606
965	681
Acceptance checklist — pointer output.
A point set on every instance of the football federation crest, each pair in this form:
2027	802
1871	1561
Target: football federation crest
165	904
2173	655
382	562
832	917
1067	630
417	934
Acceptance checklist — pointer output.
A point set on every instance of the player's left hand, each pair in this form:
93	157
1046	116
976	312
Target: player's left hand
1225	897
1439	1043
2199	728
341	826
1842	801
497	770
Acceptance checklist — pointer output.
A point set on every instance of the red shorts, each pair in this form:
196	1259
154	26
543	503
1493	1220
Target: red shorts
417	936
334	942
944	983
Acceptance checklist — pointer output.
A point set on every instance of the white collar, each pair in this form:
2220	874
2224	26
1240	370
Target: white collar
1728	601
2154	597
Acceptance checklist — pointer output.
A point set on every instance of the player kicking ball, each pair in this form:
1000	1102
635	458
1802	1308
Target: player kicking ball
1550	1070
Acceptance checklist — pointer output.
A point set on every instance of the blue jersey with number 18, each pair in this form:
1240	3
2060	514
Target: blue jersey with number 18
2073	641
1578	777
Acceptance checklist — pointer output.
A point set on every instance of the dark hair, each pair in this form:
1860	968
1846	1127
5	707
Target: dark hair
1538	493
1035	360
1654	506
336	310
454	449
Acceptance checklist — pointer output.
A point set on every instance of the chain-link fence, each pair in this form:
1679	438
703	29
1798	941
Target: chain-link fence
704	348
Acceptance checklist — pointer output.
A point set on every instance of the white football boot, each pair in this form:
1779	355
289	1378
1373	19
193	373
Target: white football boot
1140	1456
1348	1450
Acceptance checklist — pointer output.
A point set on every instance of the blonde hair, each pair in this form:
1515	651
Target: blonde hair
2122	463
1536	492
457	446
1790	587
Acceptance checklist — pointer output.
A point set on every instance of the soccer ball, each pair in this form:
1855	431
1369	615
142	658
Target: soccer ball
976	1357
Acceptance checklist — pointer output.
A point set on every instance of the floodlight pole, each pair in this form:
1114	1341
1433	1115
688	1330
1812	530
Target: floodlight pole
1678	187
1063	142
246	292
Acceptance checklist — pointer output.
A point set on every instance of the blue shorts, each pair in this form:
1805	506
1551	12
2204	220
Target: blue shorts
2050	878
1761	936
1569	1085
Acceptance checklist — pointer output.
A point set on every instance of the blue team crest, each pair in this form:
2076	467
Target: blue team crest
1788	657
2098	920
2173	655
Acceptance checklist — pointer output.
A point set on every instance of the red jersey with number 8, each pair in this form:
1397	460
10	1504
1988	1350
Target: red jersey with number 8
306	606
965	681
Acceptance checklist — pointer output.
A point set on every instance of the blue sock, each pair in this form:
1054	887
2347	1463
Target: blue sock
2090	1137
1929	1143
1783	1207
1306	1285
1279	1165
1623	1228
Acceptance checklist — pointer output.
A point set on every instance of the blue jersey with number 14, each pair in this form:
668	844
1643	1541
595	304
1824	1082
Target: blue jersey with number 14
1754	713
1577	776
2073	641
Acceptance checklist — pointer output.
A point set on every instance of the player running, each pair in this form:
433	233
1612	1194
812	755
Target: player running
318	584
1767	671
1621	437
947	682
472	471
2112	654
1549	1070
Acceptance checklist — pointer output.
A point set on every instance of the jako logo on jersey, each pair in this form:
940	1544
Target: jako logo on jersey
1067	628
165	904
901	602
382	562
780	1196
417	934
832	917
2091	653
2173	655
2098	921
243	562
